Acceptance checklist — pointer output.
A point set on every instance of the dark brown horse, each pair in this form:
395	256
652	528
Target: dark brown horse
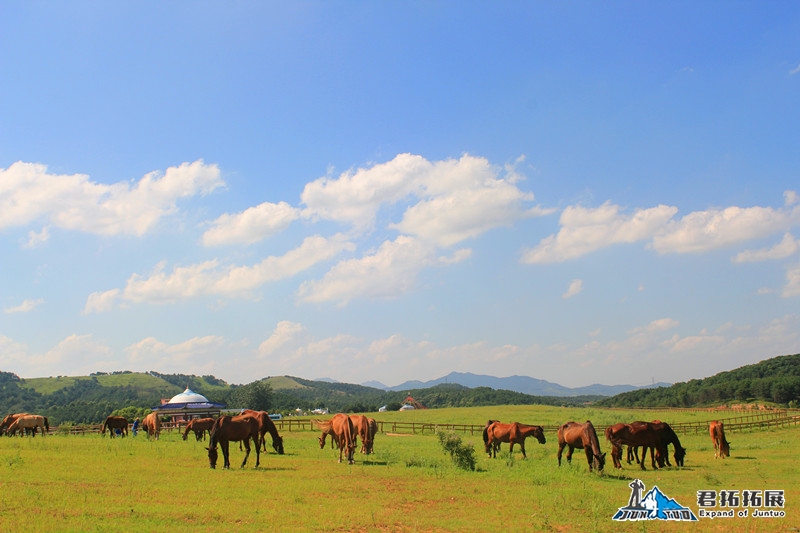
722	448
233	428
361	427
341	429
581	436
113	423
513	433
621	434
654	435
266	425
199	426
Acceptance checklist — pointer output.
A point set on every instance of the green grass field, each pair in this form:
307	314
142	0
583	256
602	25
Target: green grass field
93	483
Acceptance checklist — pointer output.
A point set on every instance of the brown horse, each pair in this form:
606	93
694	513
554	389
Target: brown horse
613	434
581	436
361	427
233	428
266	425
113	423
341	429
199	426
32	422
513	433
152	425
373	430
722	448
654	435
8	420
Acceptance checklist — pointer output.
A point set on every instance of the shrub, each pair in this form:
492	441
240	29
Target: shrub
463	455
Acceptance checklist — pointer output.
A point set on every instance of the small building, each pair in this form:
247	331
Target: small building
187	405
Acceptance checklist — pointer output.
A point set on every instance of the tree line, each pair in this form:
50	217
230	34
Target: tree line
775	380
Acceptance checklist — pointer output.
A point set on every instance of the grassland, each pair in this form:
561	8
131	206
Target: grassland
91	483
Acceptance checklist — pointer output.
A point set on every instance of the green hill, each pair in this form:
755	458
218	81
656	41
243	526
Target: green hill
775	380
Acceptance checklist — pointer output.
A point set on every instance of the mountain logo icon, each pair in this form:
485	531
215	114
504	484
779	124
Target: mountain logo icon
654	505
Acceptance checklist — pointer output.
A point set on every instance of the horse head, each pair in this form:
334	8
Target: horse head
539	434
680	453
277	444
212	456
600	461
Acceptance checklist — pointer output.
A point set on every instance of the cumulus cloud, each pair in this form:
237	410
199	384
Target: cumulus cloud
252	225
584	230
29	193
449	201
197	354
792	287
212	278
574	289
26	306
786	248
389	272
716	228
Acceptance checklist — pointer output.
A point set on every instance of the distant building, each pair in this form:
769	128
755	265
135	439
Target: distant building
187	405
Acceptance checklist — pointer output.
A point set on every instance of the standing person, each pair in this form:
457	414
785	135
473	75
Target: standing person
135	426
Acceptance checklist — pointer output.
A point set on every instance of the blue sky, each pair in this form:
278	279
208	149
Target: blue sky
580	192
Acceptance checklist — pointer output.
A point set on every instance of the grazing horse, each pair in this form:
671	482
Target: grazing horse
513	433
8	420
199	426
722	448
113	423
266	424
655	435
341	429
373	430
361	427
30	422
581	436
233	428
152	425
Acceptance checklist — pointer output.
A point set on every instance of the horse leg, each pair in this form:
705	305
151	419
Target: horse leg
224	445
589	456
258	451
247	450
570	449
560	449
522	447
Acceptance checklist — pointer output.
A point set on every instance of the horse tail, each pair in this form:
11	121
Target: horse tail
46	424
105	424
486	435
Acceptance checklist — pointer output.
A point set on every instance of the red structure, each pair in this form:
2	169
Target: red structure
413	402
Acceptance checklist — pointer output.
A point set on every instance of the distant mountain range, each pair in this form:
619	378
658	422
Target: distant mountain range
523	384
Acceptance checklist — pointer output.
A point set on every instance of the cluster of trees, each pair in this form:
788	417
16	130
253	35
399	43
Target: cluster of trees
775	380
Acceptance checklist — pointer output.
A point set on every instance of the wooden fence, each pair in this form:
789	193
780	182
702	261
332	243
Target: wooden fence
757	420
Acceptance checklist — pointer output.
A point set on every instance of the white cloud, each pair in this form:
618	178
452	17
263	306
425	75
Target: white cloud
792	287
355	196
574	289
286	333
28	193
794	71
716	228
786	248
196	355
450	200
584	230
389	272
210	278
252	225
26	306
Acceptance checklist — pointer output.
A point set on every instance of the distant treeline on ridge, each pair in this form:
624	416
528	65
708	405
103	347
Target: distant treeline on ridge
89	399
